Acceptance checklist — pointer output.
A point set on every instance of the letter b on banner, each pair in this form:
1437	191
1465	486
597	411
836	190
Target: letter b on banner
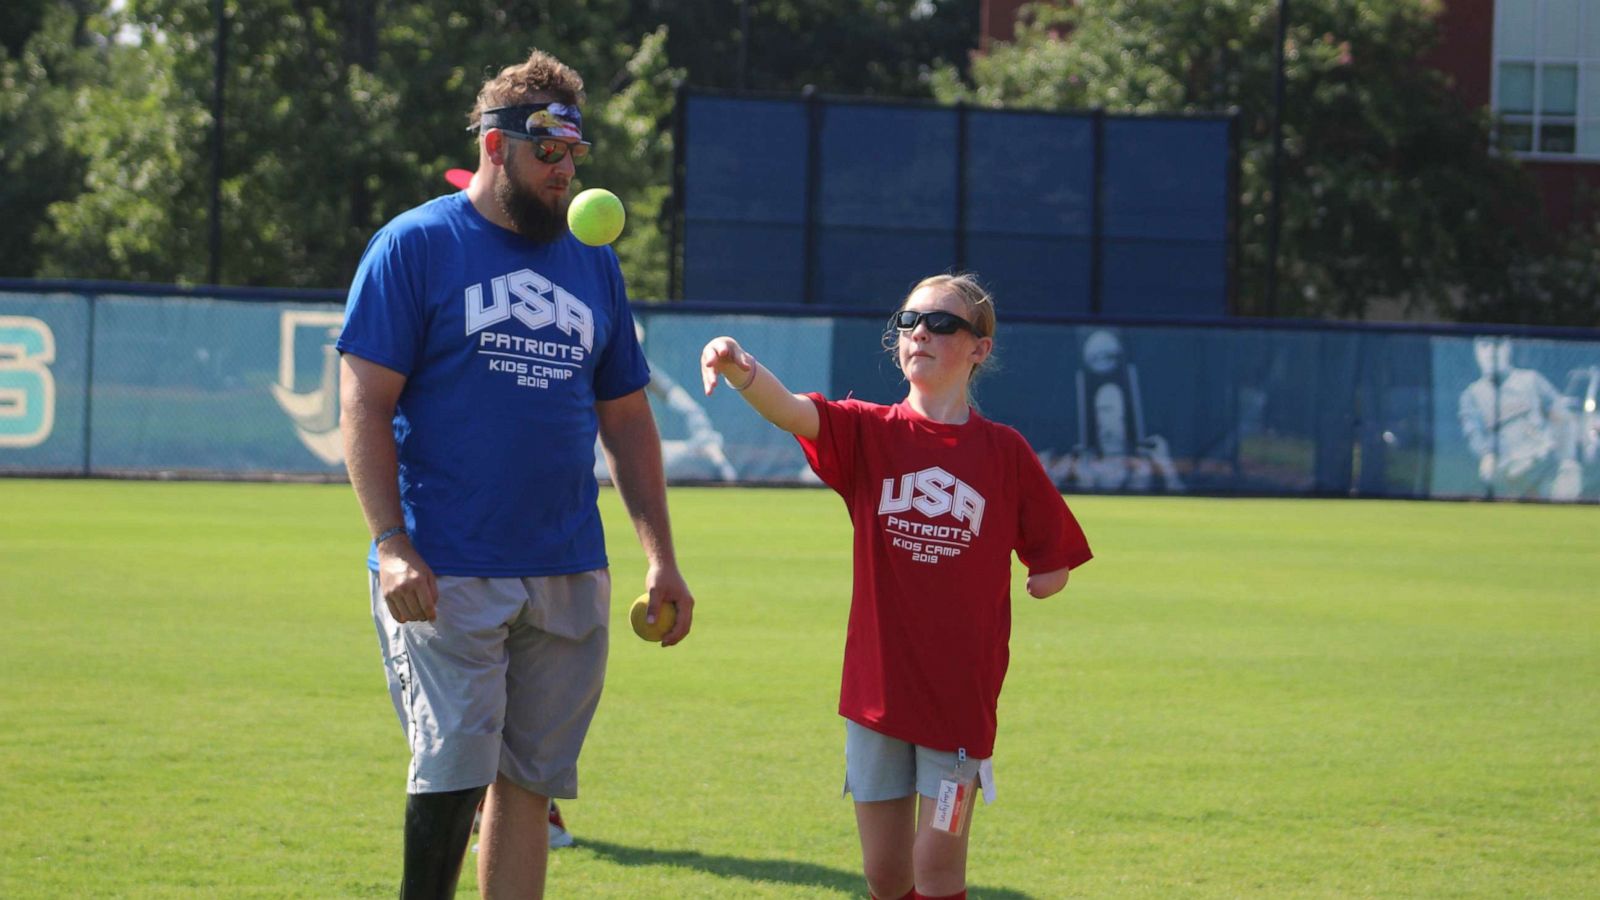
27	389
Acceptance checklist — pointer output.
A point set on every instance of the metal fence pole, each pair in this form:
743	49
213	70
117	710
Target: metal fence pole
675	213
214	268
813	188
1275	216
961	187
1097	213
88	388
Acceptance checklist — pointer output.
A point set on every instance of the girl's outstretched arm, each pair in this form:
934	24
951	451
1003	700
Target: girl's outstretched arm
758	386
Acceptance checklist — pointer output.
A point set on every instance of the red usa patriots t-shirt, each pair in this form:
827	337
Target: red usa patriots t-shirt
938	510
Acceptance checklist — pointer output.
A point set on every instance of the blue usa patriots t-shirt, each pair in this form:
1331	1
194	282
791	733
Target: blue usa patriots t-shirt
506	345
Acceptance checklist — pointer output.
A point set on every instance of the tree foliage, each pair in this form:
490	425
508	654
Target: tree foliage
336	118
1391	186
44	55
881	47
636	127
19	21
340	114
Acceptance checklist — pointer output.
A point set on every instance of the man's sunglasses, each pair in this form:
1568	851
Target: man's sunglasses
552	150
938	321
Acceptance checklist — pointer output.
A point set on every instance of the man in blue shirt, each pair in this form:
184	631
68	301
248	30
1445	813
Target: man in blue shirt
484	348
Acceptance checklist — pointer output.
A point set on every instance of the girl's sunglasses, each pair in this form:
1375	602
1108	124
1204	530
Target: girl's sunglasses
938	321
551	151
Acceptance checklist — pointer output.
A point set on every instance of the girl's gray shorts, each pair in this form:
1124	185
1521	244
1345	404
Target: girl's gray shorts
504	681
879	767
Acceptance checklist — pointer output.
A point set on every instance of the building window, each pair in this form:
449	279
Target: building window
1547	76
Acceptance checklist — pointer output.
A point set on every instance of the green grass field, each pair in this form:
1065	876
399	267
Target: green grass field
1237	698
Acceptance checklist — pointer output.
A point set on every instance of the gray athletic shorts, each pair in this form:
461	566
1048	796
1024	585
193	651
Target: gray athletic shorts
505	680
879	767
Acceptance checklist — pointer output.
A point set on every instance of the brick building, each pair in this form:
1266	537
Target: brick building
1536	63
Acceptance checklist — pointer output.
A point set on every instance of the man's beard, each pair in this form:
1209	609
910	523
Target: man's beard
533	218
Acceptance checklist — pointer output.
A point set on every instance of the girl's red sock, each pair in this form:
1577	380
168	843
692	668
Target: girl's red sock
913	895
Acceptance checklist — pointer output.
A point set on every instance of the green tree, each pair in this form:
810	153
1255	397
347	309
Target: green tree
634	136
1554	285
339	115
20	20
882	47
133	126
45	53
1392	188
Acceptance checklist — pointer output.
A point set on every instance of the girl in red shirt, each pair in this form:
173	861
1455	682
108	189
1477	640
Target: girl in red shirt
939	498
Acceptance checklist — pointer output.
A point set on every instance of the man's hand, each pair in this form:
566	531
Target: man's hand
668	586
408	585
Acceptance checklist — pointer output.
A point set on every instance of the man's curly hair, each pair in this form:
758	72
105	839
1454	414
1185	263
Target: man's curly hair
541	77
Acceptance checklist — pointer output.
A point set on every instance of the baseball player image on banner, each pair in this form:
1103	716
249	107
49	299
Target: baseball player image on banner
1114	452
696	454
1519	433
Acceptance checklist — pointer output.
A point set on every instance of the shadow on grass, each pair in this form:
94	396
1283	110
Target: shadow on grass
779	871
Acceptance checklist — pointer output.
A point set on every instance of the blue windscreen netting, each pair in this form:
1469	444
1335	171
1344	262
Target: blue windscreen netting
746	234
1030	213
1166	208
886	201
845	204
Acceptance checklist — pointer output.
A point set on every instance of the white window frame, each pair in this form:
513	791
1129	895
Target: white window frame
1588	12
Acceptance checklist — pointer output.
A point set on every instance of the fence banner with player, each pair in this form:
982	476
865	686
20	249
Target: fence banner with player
1516	419
146	384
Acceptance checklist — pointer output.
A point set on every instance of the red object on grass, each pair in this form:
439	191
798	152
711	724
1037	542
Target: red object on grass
458	177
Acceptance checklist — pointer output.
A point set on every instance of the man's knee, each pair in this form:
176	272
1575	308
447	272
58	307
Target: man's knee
507	790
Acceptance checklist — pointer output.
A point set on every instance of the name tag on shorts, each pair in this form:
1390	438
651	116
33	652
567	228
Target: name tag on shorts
950	806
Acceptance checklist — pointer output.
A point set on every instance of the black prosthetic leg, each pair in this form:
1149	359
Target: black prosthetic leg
438	827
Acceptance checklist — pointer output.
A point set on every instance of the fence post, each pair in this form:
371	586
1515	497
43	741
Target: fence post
1275	215
1097	216
88	387
218	84
961	186
814	114
675	213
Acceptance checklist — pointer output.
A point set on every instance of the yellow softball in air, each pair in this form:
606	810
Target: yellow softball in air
596	217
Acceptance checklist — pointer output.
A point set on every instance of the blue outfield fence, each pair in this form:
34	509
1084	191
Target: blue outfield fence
836	202
137	382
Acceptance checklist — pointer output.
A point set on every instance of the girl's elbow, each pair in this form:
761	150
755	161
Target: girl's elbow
797	418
